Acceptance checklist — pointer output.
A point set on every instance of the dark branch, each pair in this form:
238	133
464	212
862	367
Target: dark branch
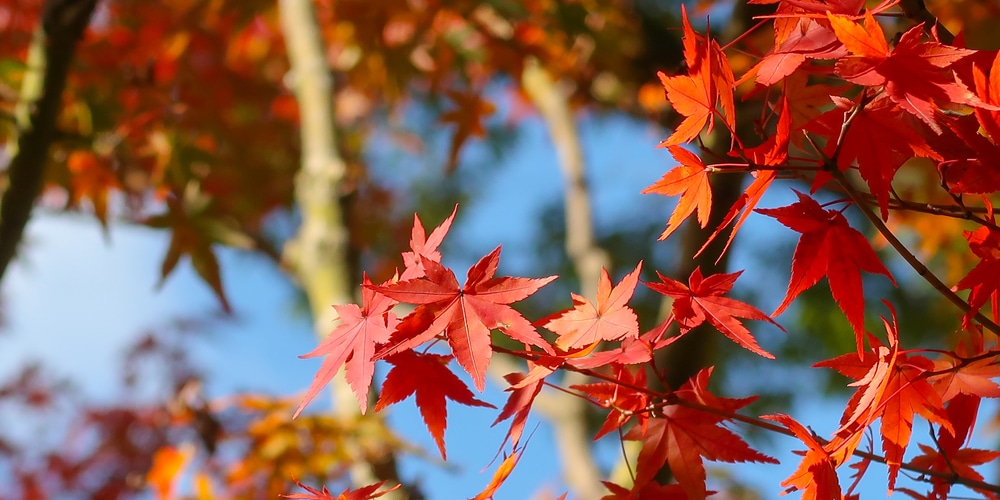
50	55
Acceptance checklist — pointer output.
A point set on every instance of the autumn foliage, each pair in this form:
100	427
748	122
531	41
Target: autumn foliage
846	108
888	141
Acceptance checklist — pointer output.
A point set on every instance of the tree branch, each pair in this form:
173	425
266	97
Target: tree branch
661	399
49	58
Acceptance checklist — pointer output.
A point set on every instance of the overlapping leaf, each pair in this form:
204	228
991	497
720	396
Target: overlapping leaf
816	476
428	377
982	280
610	319
704	301
424	247
464	314
710	80
353	342
915	74
684	437
891	386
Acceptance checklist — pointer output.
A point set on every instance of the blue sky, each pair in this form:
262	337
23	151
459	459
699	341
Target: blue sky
76	303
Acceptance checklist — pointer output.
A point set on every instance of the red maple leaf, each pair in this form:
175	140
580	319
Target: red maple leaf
427	376
465	314
424	247
982	280
684	437
772	152
690	181
649	491
959	463
694	96
353	342
704	301
816	476
956	375
811	40
829	247
621	399
915	74
892	386
363	493
880	139
988	91
522	395
611	319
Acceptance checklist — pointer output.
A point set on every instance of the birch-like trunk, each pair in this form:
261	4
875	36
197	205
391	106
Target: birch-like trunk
567	413
318	254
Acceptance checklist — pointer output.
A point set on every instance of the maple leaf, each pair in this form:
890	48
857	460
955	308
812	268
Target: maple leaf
623	401
988	91
193	233
816	475
772	152
649	491
982	279
427	376
915	74
363	493
353	342
959	463
518	404
423	246
704	301
690	180
684	437
880	139
168	462
694	95
611	319
468	118
500	476
93	178
811	40
893	389
955	376
466	315
829	247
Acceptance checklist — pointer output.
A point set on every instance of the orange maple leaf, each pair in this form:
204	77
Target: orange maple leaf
816	475
892	387
690	181
610	319
694	96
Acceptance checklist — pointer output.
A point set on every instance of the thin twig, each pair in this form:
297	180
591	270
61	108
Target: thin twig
670	398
